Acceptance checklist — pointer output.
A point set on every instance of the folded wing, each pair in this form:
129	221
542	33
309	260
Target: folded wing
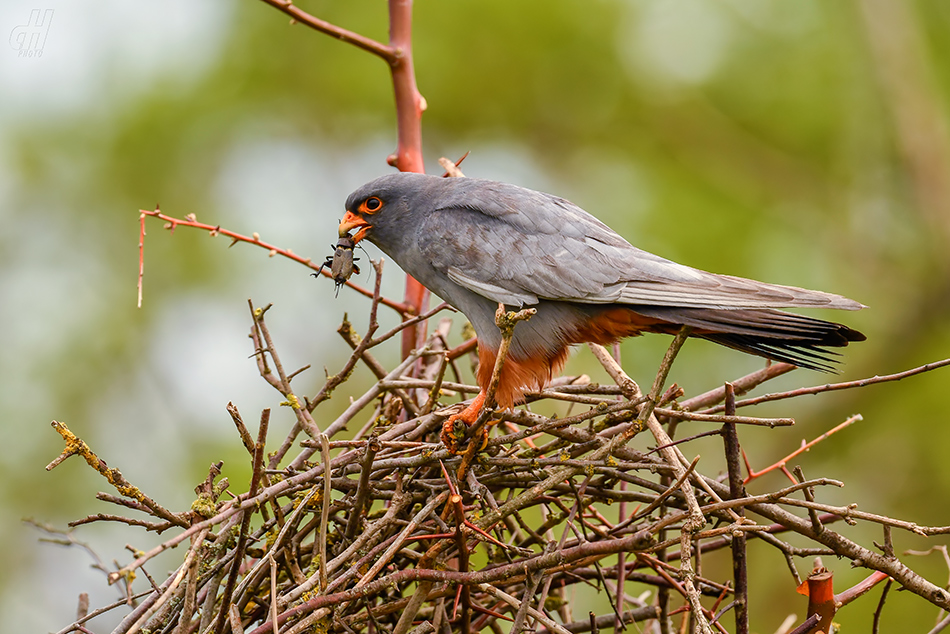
517	246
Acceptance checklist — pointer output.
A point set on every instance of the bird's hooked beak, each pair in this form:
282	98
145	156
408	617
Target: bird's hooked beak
352	221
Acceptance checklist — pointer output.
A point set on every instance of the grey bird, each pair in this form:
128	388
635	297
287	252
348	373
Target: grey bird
477	243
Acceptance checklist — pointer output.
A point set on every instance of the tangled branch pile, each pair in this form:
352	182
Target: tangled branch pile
384	530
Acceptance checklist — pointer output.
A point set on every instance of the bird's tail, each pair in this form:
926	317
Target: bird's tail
769	333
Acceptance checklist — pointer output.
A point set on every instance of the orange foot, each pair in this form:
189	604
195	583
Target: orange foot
450	436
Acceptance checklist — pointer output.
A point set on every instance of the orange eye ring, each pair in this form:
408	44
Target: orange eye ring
371	205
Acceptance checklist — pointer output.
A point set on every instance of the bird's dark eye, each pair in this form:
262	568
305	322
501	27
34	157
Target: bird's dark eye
373	204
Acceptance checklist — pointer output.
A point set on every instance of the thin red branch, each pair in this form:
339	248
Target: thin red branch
409	102
141	253
408	157
255	239
360	41
805	447
861	588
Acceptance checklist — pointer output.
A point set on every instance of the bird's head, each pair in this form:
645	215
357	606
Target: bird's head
382	209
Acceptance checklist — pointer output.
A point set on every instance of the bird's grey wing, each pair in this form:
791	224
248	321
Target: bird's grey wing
514	261
516	246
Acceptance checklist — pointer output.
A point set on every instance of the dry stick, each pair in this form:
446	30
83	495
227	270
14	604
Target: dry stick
234	619
434	368
452	167
850	514
740	386
157	527
82	607
539	424
830	387
362	489
621	559
75	625
211	587
730	438
273	589
281	382
245	520
807	626
423	628
730	419
246	438
260	356
436	390
348	333
191	591
461	543
325	512
76	446
810	497
714	432
941	626
412	608
532	581
118	501
506	322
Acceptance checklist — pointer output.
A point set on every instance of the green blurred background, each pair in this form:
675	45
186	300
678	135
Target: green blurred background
798	142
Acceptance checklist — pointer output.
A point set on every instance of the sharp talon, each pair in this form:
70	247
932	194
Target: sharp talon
451	433
450	436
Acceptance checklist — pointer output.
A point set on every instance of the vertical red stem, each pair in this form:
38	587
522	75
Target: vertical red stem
408	156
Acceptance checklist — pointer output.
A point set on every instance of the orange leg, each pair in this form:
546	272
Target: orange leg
450	436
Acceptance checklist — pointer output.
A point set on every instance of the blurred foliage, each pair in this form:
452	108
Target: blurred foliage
756	138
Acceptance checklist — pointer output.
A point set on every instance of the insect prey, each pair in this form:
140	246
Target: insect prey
342	263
